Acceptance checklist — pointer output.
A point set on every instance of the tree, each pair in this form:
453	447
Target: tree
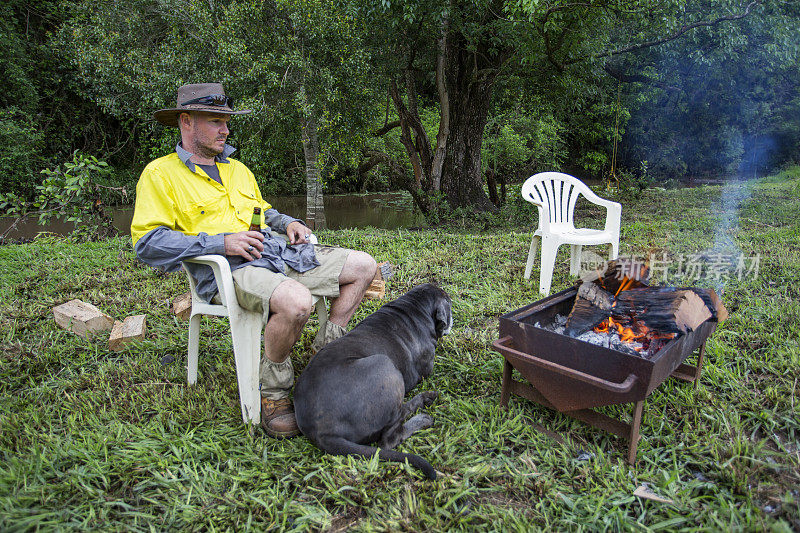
453	76
42	118
454	52
326	75
297	64
720	103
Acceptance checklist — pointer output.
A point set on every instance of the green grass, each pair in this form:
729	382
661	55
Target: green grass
94	439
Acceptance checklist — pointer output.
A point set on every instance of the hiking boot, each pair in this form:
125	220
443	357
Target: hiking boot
277	418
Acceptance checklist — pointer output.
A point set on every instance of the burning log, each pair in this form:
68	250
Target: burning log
634	336
663	309
619	275
713	302
620	301
595	301
592	306
598	297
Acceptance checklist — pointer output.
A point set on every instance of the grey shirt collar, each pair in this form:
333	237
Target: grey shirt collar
185	155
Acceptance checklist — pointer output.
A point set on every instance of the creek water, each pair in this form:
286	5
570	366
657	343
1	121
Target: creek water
388	210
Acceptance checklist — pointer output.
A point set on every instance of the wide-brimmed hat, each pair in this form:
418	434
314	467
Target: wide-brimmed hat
209	97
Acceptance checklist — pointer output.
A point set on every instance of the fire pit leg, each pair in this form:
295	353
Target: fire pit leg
506	390
686	372
634	436
699	364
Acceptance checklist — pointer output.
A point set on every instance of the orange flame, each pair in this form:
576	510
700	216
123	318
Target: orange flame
637	332
624	286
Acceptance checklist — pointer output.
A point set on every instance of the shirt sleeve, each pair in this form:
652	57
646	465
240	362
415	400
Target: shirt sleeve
154	205
164	248
278	221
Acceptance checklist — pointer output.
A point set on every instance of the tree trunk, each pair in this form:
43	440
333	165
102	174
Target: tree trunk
491	184
444	107
409	116
315	209
465	75
469	80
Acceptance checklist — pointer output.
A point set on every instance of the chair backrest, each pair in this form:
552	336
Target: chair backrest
556	193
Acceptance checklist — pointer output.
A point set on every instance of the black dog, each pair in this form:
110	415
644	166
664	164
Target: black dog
351	393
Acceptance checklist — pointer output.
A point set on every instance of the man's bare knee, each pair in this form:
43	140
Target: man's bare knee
292	300
359	266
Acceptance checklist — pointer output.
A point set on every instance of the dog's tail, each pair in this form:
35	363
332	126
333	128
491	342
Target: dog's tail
341	446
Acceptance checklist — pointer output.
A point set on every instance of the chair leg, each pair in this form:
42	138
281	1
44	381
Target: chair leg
614	250
246	333
322	313
575	258
194	349
532	255
549	250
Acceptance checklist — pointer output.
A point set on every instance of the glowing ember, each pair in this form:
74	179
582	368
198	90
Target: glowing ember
636	333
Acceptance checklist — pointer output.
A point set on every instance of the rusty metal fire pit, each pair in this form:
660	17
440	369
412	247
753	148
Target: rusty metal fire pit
574	376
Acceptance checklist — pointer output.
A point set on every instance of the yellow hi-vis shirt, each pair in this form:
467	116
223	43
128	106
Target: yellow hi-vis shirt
169	194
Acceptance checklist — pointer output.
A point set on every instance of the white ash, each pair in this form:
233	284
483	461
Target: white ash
607	340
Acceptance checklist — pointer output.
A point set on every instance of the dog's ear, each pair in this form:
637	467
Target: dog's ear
444	317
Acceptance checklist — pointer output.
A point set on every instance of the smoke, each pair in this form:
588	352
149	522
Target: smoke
713	267
734	193
761	154
725	259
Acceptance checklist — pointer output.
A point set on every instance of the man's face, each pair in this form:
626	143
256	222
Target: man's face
204	133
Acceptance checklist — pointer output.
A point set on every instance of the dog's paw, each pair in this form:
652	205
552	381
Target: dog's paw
428	397
425	421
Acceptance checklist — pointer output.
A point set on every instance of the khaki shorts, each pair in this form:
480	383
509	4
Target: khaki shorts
254	285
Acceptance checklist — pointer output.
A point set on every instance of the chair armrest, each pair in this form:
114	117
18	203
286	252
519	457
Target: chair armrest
613	217
613	210
222	274
210	259
591	196
543	210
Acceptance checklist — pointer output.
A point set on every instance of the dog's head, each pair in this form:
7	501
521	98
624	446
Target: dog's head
443	316
441	307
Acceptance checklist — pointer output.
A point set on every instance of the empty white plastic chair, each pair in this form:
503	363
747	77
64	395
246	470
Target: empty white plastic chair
247	328
554	194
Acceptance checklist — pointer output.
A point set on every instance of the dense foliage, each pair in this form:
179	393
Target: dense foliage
442	98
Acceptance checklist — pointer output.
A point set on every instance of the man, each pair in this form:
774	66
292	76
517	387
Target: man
198	200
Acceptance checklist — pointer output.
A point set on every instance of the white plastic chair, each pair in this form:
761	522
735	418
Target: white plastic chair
554	194
247	329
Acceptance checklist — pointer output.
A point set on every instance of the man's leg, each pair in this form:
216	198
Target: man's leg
343	276
357	274
289	308
288	305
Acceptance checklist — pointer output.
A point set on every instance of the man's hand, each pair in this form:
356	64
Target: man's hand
297	233
248	244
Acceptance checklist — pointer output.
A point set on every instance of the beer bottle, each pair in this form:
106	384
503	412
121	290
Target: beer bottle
255	222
